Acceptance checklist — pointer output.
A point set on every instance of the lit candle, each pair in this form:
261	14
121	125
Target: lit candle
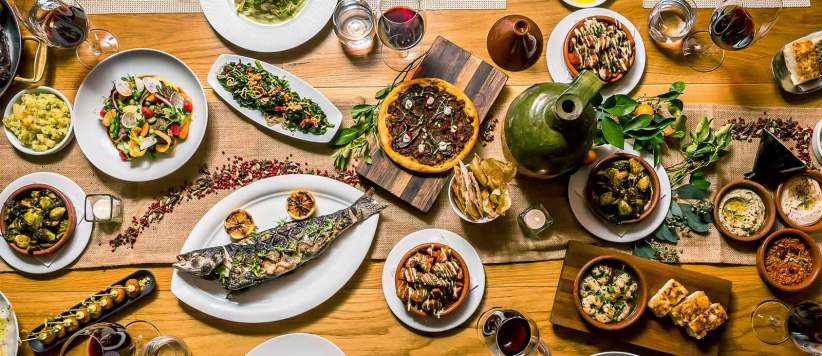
535	220
103	208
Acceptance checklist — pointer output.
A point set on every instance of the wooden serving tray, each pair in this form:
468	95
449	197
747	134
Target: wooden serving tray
658	334
480	81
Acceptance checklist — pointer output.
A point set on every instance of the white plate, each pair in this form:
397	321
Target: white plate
299	291
613	232
816	144
614	353
556	63
298	85
584	5
19	145
297	344
259	37
475	270
8	345
76	244
92	136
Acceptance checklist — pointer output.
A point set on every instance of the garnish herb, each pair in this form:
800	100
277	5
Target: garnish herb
705	148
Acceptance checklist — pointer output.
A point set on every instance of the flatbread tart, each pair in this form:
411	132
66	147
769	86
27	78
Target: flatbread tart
427	125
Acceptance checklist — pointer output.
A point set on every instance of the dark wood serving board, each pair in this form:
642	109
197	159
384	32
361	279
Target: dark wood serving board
480	81
658	334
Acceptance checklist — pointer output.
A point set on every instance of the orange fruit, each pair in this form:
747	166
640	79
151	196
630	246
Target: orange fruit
668	131
644	109
590	157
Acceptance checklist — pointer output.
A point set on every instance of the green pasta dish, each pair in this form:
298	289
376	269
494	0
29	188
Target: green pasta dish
269	11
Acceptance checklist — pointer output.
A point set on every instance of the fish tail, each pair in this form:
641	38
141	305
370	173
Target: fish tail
367	205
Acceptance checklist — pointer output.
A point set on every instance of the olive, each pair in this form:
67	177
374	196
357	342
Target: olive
57	213
22	241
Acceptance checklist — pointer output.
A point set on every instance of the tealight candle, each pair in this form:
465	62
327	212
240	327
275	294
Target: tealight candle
103	208
535	220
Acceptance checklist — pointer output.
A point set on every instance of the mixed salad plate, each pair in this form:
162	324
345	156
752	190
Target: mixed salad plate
8	327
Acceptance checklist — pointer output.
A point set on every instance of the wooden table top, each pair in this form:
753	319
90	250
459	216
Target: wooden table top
357	318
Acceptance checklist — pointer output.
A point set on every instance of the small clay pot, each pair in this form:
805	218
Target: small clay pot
767	200
466	277
809	242
639	300
515	42
655	193
70	214
780	191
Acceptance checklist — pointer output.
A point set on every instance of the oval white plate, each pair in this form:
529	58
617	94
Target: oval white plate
91	135
475	269
19	145
297	292
297	344
613	232
72	249
298	85
556	63
8	345
259	37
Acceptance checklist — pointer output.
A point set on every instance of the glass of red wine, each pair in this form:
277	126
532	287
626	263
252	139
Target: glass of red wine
734	25
774	323
400	27
64	24
507	332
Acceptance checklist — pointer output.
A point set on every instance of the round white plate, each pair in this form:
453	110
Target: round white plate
8	344
613	232
816	142
77	242
475	269
614	353
297	344
259	37
584	5
297	292
556	63
19	145
91	135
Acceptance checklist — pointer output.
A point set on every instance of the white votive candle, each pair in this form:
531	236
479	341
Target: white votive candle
102	209
534	219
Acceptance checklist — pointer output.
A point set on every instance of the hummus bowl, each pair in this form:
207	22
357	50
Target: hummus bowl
801	212
734	206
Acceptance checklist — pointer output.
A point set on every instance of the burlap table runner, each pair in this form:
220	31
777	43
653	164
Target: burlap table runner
710	4
189	6
498	242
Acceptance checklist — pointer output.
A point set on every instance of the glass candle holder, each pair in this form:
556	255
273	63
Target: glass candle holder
103	208
535	220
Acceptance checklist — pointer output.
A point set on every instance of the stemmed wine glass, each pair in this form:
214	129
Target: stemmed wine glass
400	26
773	323
733	27
507	332
137	338
64	24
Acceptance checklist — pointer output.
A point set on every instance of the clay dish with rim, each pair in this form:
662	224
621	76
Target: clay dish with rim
566	47
70	214
649	207
810	243
466	279
767	200
784	216
639	301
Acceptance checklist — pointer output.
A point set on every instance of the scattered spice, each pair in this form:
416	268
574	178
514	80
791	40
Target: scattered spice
788	261
786	130
237	173
665	251
487	129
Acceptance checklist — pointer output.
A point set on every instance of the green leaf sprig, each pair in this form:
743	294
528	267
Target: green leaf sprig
704	149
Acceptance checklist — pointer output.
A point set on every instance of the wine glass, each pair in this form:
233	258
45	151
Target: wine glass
773	323
137	338
507	332
400	27
733	27
64	24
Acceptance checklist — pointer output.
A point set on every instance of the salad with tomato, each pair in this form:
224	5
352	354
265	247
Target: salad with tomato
145	116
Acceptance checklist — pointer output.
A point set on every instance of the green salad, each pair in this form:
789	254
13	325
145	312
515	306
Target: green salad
269	11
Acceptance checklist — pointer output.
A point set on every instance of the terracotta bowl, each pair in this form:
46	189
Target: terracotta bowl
69	213
780	190
652	203
639	301
810	242
567	50
767	199
466	277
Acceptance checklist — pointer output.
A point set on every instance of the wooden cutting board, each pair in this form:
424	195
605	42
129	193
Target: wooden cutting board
658	334
480	81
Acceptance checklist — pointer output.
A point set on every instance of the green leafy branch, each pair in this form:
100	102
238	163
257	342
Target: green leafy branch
704	149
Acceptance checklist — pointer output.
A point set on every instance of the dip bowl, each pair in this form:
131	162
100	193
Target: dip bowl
466	280
640	299
767	200
810	243
567	48
780	194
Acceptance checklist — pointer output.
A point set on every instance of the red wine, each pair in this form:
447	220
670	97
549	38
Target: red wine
109	343
732	27
805	326
63	25
401	27
513	336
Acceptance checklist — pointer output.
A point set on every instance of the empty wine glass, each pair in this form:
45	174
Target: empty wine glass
773	323
733	27
64	24
400	26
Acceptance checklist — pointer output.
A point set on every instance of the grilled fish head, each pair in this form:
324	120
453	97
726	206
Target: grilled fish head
201	262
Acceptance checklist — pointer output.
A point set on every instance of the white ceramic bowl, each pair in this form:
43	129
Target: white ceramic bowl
816	145
60	145
457	210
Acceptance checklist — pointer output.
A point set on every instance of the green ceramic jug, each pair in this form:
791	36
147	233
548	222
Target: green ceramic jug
551	126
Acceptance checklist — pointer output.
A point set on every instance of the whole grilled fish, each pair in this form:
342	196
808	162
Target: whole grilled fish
273	253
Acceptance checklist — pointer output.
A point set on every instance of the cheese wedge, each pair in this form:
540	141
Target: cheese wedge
711	319
803	58
695	304
667	297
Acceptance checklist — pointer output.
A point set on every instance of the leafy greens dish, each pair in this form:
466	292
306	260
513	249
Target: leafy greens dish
254	87
146	116
269	11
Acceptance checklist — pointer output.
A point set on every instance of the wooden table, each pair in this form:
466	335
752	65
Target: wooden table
357	318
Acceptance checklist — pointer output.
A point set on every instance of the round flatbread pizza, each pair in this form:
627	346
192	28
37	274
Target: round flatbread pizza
427	125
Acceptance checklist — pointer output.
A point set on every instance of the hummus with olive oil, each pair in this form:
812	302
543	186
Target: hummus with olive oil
742	212
802	200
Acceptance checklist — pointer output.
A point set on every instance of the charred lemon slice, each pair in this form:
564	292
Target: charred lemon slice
239	224
300	205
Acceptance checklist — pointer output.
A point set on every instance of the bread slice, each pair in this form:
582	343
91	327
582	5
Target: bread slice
802	60
711	319
695	304
667	297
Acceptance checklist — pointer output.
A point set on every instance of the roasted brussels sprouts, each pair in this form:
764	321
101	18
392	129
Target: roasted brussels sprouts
35	220
621	189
